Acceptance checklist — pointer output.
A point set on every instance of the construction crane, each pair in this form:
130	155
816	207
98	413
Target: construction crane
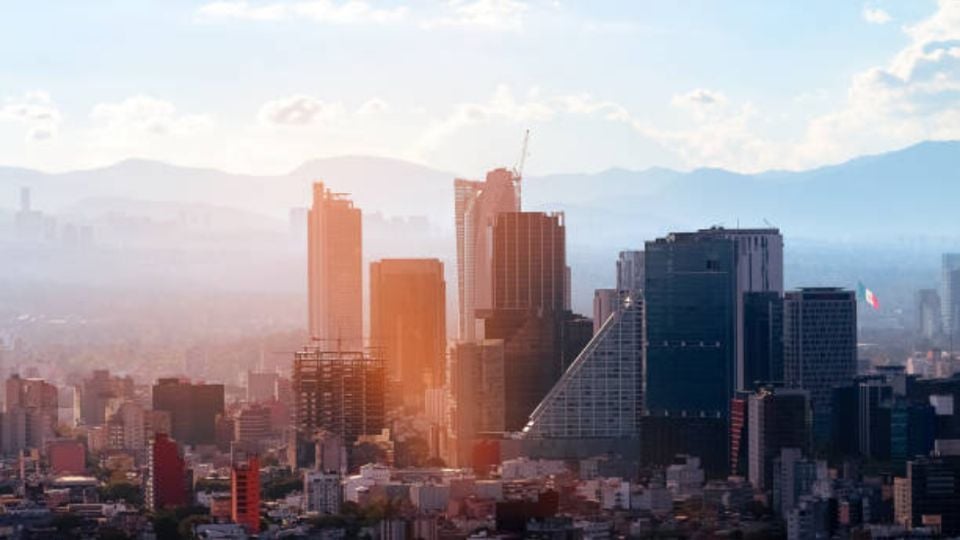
518	168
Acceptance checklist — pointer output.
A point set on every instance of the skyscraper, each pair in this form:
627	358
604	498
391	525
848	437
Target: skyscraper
819	347
335	273
762	339
408	323
778	418
929	313
477	205
529	296
604	304
695	285
477	385
630	271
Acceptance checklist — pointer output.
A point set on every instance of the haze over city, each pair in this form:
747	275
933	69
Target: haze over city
480	269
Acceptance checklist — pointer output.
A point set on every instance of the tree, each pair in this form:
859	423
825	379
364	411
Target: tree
122	491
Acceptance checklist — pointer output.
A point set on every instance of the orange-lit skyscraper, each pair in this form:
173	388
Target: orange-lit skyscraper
477	206
408	320
334	279
245	494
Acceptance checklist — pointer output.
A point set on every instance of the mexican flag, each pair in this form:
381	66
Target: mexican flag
867	296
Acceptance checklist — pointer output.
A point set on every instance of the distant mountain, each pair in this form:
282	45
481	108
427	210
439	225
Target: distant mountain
905	193
907	199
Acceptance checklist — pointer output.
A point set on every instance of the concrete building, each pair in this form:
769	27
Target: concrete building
252	426
322	492
166	475
477	205
245	494
193	409
605	302
335	272
338	391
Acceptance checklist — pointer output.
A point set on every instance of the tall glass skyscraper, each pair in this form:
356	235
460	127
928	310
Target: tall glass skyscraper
695	288
820	347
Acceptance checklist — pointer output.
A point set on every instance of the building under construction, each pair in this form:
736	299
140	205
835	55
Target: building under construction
339	391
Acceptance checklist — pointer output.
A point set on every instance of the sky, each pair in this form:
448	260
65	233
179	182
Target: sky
260	86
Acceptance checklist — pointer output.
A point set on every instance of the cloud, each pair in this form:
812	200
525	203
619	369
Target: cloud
319	11
141	116
299	111
489	14
372	106
35	111
876	15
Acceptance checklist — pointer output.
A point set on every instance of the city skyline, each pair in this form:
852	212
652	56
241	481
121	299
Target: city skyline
245	325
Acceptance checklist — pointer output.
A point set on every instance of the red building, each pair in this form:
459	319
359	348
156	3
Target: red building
67	456
245	494
166	474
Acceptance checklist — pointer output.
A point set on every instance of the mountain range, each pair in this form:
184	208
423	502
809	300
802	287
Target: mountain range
904	198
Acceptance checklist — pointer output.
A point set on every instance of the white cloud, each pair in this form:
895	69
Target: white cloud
875	15
36	112
373	106
319	11
489	14
299	111
133	119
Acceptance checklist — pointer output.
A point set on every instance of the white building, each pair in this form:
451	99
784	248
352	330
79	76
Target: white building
322	492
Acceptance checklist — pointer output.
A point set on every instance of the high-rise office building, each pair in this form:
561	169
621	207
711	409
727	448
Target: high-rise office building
929	313
529	299
97	393
338	391
408	323
30	415
691	323
599	395
762	339
166	485
933	486
605	302
950	294
696	285
820	347
477	205
630	271
778	418
477	384
334	269
193	409
245	494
